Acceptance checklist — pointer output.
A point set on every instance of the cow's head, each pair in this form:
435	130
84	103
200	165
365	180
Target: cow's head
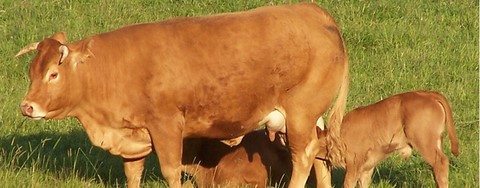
53	88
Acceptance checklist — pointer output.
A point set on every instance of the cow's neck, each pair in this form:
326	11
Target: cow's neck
111	119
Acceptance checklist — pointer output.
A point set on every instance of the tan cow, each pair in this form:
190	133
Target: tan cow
399	123
151	85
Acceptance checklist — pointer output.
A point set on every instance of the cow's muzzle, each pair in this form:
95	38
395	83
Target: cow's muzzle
31	110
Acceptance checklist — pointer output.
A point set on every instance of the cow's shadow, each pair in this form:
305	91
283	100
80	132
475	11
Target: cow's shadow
69	155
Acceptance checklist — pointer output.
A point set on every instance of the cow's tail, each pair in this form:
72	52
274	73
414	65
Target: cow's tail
449	124
335	145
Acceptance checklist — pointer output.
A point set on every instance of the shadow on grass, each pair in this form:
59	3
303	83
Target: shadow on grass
384	175
69	155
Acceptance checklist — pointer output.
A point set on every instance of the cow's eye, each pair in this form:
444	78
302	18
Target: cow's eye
53	75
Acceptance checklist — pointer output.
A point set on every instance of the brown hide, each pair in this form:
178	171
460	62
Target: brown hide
217	76
399	123
255	161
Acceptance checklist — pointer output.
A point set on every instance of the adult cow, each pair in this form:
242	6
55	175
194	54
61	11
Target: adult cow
216	76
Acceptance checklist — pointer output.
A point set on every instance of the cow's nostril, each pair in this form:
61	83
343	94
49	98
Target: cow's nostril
29	109
26	109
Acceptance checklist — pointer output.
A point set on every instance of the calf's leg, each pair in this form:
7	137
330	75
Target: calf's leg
372	158
366	177
432	153
351	174
427	139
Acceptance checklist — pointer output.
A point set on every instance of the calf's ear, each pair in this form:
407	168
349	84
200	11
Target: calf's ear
60	37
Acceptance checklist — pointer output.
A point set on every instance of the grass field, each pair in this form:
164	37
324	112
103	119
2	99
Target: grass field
394	46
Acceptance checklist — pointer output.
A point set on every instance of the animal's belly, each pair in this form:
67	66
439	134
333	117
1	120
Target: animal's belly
220	128
234	127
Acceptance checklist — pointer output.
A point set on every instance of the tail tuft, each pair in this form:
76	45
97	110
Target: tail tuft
335	145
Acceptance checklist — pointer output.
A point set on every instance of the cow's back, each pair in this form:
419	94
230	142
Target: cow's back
226	69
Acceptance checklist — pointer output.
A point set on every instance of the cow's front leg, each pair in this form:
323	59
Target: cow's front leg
133	170
168	142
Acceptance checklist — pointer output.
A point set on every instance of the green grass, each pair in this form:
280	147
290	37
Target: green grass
394	46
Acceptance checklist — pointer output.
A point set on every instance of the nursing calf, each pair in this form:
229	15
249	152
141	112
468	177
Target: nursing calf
399	123
255	161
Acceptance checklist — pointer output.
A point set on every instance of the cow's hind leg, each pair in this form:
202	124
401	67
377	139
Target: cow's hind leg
303	108
305	103
304	145
322	174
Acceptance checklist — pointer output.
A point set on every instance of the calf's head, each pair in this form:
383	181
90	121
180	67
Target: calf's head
53	88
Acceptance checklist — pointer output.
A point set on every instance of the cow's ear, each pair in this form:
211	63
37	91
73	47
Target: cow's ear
85	49
60	37
63	49
79	52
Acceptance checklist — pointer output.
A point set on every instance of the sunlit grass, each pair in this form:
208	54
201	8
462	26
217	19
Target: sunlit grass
394	46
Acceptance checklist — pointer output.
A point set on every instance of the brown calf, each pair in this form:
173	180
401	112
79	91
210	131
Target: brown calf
399	123
255	161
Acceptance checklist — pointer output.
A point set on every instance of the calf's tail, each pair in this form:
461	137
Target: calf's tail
449	123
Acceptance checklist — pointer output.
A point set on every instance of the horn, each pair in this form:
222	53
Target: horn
27	48
64	51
